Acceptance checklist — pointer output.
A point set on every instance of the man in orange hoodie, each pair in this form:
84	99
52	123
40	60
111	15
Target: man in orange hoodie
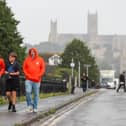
34	68
2	66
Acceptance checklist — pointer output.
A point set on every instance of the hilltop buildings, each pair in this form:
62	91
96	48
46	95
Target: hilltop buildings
99	44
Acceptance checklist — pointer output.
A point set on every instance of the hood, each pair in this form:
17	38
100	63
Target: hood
35	50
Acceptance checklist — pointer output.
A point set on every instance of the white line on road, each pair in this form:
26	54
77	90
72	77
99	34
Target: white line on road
61	115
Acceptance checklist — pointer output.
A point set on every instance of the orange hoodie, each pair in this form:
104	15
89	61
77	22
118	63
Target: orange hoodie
2	67
34	68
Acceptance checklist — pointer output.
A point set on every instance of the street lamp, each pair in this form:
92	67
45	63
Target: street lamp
87	67
72	64
79	73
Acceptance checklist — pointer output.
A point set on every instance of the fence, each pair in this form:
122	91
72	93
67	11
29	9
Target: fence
46	86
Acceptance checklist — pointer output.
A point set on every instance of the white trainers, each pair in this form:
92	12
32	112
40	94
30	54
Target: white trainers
29	109
35	110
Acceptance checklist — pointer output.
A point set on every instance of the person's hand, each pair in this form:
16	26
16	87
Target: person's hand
11	74
6	72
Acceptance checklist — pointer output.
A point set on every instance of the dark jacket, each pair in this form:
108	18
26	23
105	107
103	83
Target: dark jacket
84	78
122	78
12	68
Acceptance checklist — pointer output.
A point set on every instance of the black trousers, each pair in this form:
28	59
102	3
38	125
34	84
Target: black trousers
121	85
72	89
84	86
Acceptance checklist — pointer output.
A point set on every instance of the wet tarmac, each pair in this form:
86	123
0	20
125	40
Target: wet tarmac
10	119
107	108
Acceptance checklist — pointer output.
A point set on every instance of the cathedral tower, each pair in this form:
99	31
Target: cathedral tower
53	31
92	25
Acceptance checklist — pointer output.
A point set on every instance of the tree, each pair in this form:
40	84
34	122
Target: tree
80	52
10	38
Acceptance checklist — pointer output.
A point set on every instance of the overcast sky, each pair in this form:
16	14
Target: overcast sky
35	16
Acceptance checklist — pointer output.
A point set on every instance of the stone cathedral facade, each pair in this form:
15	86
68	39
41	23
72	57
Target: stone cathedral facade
95	41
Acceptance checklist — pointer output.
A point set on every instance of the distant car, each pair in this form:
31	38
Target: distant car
112	85
105	85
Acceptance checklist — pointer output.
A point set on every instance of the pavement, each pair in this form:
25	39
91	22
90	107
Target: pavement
106	108
21	116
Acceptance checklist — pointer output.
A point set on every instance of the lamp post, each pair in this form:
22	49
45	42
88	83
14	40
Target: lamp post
87	68
79	73
72	64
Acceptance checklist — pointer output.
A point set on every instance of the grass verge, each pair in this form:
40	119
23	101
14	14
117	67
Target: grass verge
3	100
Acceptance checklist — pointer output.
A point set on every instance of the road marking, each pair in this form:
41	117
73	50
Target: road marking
61	115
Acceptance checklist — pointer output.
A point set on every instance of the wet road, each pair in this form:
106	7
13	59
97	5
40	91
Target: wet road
10	119
107	108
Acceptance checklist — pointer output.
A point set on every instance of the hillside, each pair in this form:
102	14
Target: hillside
47	47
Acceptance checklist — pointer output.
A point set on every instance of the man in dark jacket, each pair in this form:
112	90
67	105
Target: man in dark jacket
122	82
72	84
12	73
84	80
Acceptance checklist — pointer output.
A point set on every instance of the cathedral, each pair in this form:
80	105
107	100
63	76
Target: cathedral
96	42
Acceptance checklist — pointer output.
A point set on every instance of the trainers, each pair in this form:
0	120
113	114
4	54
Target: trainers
35	110
13	108
10	106
29	109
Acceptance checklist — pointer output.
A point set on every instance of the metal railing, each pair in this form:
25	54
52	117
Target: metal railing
46	86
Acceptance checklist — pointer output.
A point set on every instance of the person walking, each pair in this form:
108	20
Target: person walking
72	85
93	84
2	66
34	69
121	82
84	80
2	71
12	72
